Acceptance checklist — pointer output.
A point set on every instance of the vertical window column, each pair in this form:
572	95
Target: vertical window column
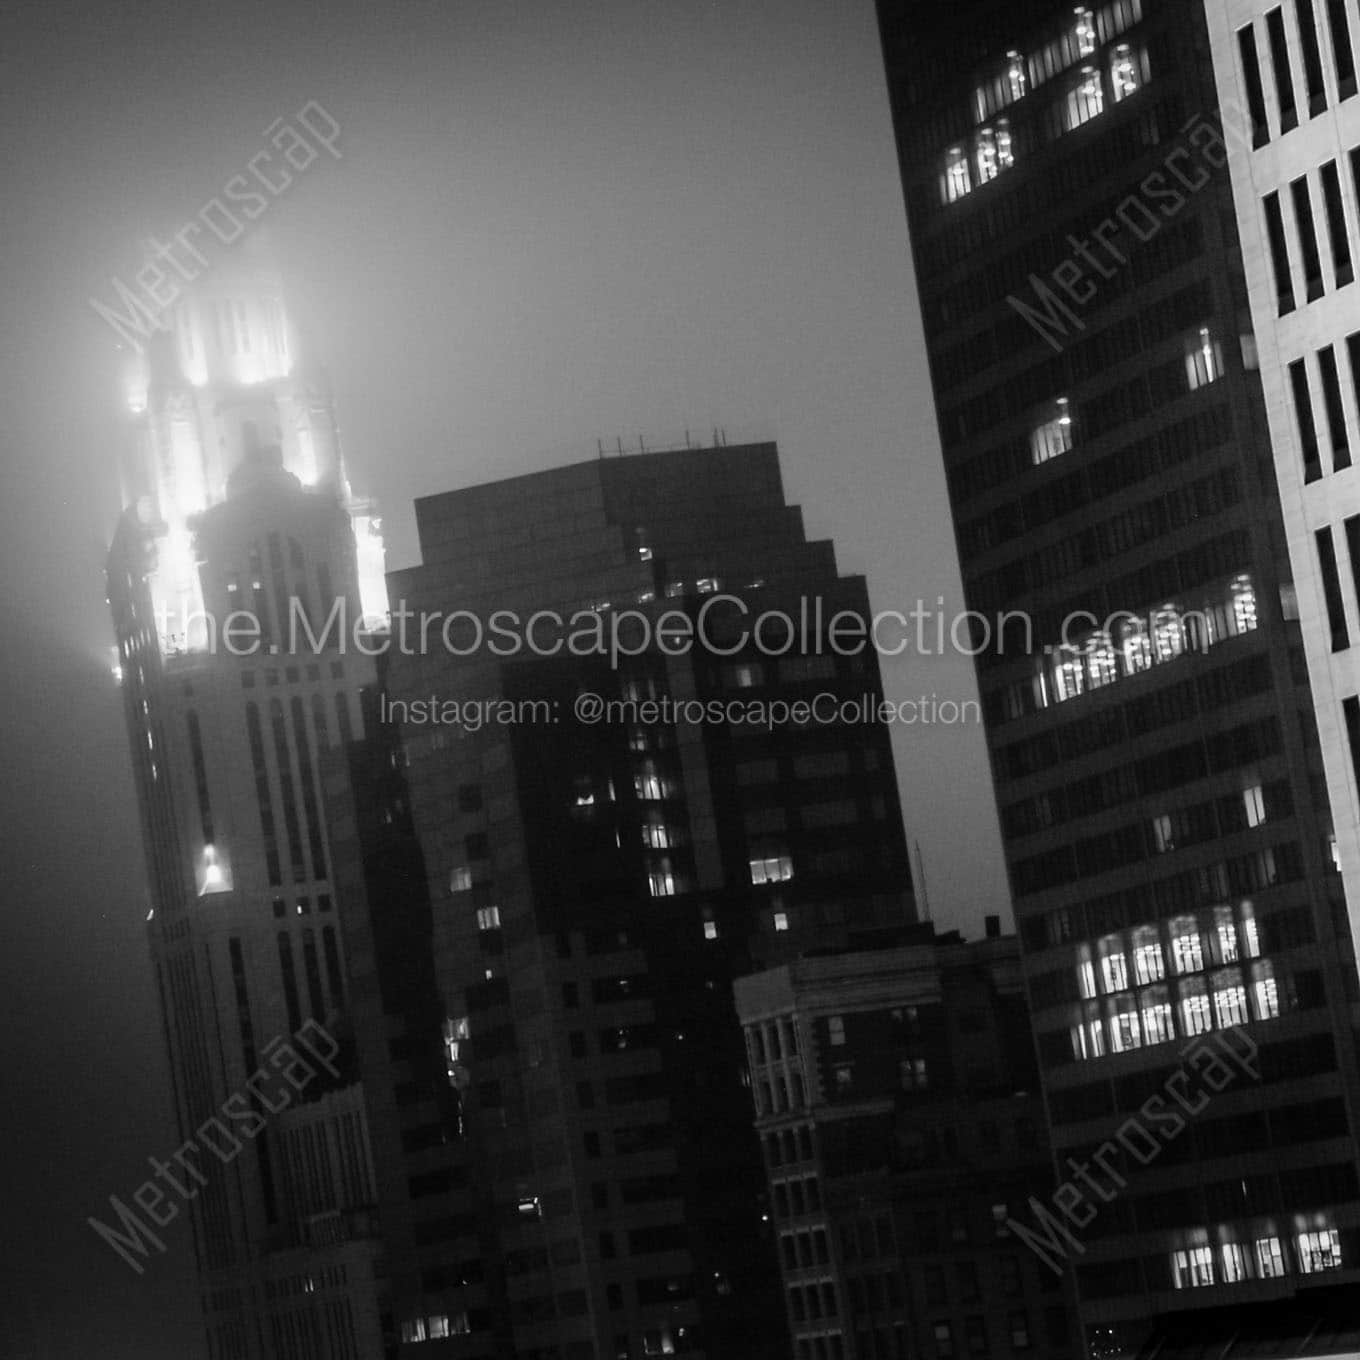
1339	237
1335	409
1312	58
1303	217
1251	76
1279	253
1331	589
1303	414
1343	55
1279	65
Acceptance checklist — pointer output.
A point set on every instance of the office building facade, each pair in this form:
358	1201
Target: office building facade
599	882
1155	751
898	1105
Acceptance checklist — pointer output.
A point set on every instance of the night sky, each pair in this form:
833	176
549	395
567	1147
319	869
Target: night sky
550	224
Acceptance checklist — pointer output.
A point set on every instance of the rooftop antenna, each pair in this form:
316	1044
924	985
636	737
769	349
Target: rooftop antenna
688	445
921	874
642	447
619	437
599	446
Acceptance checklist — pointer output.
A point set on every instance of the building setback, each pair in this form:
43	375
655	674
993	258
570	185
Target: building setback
897	1101
598	887
1155	752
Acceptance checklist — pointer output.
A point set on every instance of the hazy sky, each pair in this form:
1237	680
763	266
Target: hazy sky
550	224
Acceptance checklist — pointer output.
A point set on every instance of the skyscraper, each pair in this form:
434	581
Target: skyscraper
1152	732
610	841
1288	78
239	526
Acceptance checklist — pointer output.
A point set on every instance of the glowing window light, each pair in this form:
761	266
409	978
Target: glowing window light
1193	1268
958	179
1269	1258
1244	605
1085	31
1320	1250
1126	72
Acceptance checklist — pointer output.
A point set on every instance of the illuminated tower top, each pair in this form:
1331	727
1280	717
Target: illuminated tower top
217	387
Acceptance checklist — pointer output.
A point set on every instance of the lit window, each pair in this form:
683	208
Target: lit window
1086	100
488	918
781	921
911	1073
1069	678
1162	834
1254	801
1234	1256
1100	661
748	675
1203	360
706	585
528	1207
649	786
1157	1026
1086	978
957	178
1187	950
1054	436
413	1330
1016	83
658	836
1127	71
710	930
1085	31
439	1325
674	588
1168	634
645	554
1319	1251
1230	999
1269	1258
661	880
844	1076
835	1029
1194	1268
460	879
1265	990
1244	605
1195	1014
995	152
1124	1031
772	869
1250	937
1114	966
1135	647
1148	963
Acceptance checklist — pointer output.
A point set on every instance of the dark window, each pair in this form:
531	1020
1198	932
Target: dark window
1336	411
1279	254
1279	60
1331	589
1336	224
1312	58
1303	215
290	990
1341	48
1256	95
1353	549
1303	411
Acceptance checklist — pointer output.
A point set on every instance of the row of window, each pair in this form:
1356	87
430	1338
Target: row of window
1286	101
1136	645
1262	1259
1305	233
1331	579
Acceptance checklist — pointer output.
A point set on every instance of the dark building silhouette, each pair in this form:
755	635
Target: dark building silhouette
598	886
1154	747
898	1104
